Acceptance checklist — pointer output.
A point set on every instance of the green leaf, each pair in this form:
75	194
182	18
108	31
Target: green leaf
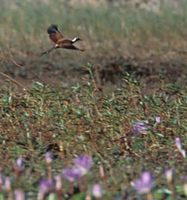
52	196
80	196
1	196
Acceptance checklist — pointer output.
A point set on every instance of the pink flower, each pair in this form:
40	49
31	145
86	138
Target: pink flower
144	184
48	157
19	194
72	173
169	175
19	166
140	127
97	191
179	147
45	187
84	163
158	120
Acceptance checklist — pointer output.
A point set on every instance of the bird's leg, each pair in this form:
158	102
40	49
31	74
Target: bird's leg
49	50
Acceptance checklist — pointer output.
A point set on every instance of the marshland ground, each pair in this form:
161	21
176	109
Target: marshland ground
133	69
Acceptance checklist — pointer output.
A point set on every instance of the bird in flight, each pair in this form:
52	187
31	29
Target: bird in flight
60	42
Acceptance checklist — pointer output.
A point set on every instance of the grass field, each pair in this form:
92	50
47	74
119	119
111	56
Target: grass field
109	123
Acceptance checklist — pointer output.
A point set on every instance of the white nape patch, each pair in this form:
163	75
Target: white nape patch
56	46
74	39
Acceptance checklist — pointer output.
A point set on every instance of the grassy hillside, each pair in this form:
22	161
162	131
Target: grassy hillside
24	26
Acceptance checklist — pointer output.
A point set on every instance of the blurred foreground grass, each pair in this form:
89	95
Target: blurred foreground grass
82	120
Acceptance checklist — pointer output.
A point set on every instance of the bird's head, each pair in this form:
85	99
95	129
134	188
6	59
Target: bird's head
52	29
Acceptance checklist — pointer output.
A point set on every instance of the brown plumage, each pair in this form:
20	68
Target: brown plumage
60	42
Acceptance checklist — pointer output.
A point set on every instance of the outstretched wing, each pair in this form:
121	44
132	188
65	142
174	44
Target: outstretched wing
54	34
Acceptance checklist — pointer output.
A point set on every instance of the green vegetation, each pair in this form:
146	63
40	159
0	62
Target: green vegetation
82	120
122	102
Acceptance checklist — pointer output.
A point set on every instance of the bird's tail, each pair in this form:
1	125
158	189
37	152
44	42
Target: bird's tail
75	39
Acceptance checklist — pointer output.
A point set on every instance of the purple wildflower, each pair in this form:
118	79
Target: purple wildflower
97	191
19	194
158	120
183	178
1	179
84	163
183	152
140	127
72	174
19	166
7	184
48	157
45	187
58	182
144	184
178	143
179	147
169	175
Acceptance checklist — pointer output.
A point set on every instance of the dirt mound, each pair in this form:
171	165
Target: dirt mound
108	72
